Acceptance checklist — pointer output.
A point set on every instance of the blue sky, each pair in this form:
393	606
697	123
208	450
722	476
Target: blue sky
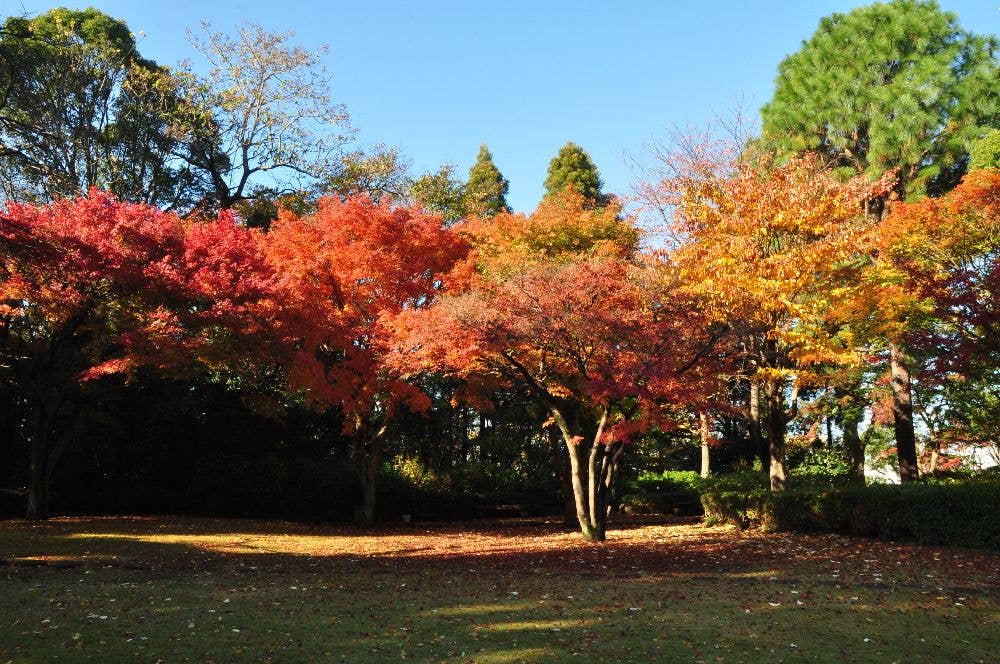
438	78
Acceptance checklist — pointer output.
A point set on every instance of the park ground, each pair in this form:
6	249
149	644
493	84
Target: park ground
207	590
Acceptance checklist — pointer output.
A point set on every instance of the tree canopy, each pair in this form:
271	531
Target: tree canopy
82	108
891	86
573	167
486	189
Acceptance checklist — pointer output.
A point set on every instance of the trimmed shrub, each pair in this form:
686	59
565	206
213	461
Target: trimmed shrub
670	492
954	514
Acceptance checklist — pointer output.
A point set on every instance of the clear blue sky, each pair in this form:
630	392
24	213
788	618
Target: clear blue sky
438	78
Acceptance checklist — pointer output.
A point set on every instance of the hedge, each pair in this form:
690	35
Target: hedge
670	492
966	514
309	489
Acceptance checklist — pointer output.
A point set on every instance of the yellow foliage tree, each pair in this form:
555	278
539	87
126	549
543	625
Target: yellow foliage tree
769	246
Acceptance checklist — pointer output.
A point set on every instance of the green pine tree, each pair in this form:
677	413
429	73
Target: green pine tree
573	166
893	85
985	152
486	190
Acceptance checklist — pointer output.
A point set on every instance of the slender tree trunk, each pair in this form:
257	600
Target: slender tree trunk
561	463
465	434
706	437
577	472
611	476
483	452
855	448
756	439
594	491
596	484
774	395
368	474
579	493
38	487
369	448
42	461
902	412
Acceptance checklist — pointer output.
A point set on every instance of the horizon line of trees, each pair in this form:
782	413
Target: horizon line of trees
842	266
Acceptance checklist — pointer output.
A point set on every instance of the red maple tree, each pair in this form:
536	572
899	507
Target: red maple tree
605	342
93	286
347	272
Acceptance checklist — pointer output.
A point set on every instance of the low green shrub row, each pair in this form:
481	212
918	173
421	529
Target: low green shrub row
670	492
679	492
966	514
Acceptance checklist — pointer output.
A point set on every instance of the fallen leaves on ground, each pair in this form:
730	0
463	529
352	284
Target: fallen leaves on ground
511	590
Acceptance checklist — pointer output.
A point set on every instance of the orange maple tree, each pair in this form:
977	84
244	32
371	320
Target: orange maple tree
931	286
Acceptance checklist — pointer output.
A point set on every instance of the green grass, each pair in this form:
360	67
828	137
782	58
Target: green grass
112	590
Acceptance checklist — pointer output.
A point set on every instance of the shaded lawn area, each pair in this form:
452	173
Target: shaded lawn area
170	589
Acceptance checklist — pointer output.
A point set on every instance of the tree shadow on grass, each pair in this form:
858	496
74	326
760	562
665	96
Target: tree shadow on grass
233	590
635	549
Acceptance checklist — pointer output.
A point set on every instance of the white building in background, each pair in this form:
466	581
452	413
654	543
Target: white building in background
978	457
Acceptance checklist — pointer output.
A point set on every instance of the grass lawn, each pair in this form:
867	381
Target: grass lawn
175	590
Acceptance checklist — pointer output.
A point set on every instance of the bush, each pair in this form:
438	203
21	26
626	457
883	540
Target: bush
669	492
470	489
929	513
819	462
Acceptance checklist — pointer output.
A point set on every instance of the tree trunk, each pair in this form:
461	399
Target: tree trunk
368	463
561	463
706	436
595	491
579	494
611	476
902	413
465	434
43	459
596	482
756	439
588	480
855	448
484	453
38	487
774	395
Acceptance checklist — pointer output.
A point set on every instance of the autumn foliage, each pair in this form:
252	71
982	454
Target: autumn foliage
562	304
778	276
768	247
346	273
940	258
92	287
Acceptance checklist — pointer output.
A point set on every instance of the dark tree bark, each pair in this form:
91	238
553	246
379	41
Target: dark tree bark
41	463
855	448
902	413
776	421
753	424
38	487
561	463
369	457
465	434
